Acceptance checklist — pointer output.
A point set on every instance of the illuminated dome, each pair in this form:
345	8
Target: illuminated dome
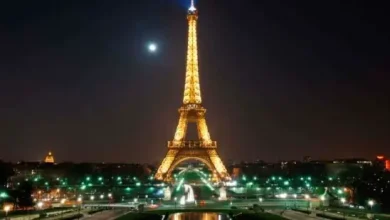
49	158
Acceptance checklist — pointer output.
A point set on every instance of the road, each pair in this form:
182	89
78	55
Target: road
293	215
69	214
106	215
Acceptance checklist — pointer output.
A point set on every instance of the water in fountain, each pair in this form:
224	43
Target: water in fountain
190	193
182	200
222	193
167	194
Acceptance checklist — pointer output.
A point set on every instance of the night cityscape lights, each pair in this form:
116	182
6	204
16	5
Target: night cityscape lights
192	177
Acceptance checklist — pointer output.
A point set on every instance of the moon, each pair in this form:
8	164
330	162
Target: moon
152	47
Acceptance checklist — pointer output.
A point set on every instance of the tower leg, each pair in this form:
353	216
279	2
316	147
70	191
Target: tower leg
166	164
203	131
218	164
181	127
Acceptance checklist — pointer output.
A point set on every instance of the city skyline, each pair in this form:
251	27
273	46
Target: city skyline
291	81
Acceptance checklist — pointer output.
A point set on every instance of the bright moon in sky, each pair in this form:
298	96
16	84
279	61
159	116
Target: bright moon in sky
152	47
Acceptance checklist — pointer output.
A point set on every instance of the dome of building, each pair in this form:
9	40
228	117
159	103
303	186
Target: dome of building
49	158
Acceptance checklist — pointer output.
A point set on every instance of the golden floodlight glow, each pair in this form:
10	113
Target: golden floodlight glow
49	158
180	149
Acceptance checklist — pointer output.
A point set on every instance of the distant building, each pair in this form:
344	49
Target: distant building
49	158
306	159
382	162
236	172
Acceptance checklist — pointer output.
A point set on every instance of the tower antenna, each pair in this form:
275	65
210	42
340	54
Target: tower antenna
192	7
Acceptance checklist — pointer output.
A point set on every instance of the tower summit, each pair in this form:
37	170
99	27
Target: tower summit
192	93
192	7
180	149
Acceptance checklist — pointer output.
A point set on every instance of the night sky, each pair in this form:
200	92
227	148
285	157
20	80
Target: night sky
280	79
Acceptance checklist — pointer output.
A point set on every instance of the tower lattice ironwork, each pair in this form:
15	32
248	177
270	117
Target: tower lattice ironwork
192	111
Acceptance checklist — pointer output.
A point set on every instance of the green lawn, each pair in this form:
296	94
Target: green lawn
239	214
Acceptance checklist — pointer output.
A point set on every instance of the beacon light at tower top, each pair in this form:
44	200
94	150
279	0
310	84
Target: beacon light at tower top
192	7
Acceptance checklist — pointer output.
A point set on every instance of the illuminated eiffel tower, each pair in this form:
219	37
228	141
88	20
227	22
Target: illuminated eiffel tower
191	111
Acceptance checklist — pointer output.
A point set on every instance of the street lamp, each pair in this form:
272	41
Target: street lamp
260	199
79	200
295	200
6	210
307	197
175	201
322	198
40	205
284	196
371	203
343	201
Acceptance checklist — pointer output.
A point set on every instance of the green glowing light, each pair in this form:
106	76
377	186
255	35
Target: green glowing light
286	183
3	195
180	184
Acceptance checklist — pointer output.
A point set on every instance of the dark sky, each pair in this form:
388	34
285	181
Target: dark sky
280	79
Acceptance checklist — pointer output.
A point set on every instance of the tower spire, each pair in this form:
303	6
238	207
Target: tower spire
192	7
192	93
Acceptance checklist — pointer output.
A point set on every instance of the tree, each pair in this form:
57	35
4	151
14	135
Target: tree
22	195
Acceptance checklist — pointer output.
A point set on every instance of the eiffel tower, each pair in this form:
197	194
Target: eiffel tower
192	111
